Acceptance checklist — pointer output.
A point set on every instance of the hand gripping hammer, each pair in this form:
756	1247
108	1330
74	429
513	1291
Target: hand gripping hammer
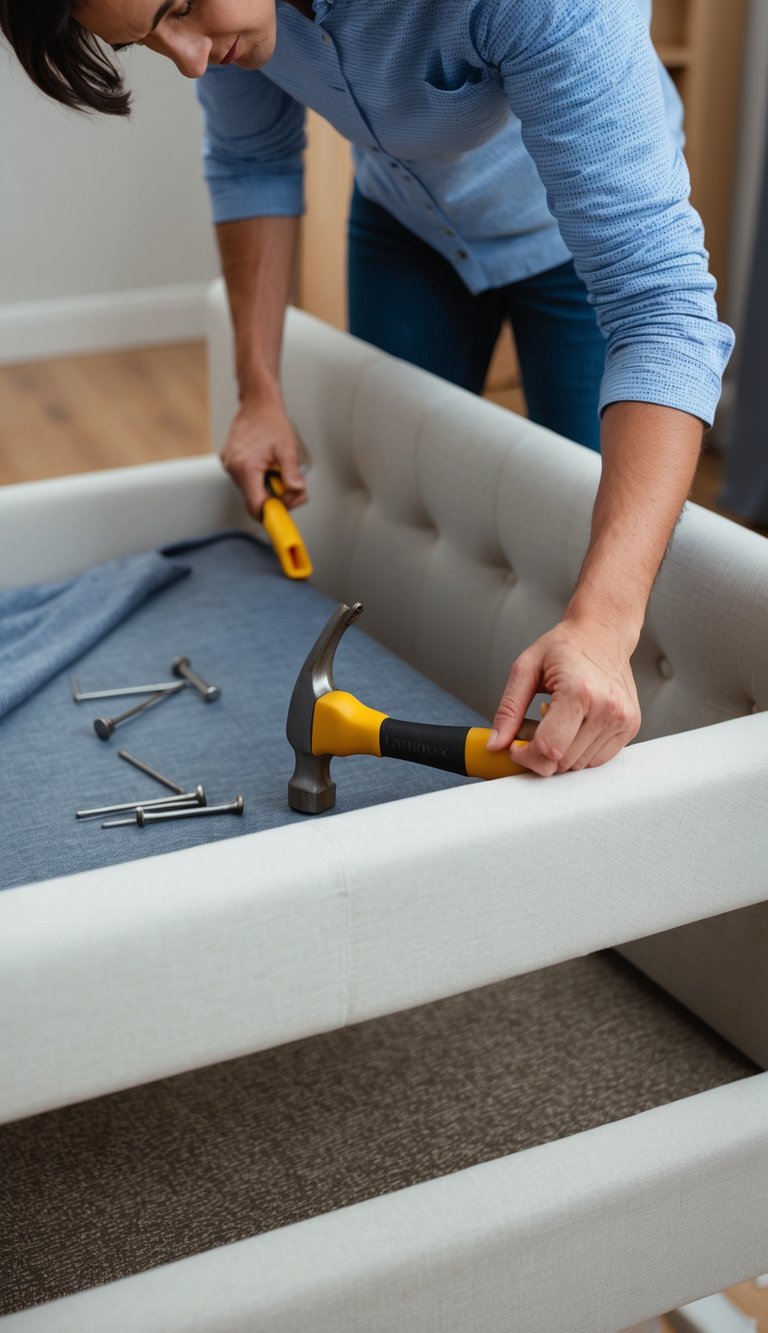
324	722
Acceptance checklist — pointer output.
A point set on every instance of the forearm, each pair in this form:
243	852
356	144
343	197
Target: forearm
258	258
649	459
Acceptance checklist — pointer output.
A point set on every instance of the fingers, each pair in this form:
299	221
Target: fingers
593	711
247	472
262	439
572	738
520	689
295	486
609	726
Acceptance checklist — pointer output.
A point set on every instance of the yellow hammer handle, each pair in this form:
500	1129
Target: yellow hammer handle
286	539
342	725
482	763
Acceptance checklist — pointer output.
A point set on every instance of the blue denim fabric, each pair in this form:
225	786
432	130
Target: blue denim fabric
408	300
46	626
245	628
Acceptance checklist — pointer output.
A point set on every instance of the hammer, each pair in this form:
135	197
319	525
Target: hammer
324	722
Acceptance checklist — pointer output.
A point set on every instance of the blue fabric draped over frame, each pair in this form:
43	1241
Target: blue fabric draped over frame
247	629
44	627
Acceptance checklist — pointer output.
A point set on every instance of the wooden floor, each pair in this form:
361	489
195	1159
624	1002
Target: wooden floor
81	414
86	413
748	1298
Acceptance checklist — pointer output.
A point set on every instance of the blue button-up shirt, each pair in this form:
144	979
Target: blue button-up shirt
509	135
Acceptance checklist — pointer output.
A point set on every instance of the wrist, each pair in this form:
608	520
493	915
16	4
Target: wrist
602	616
258	385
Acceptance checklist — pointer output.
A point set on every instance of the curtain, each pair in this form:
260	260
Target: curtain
745	491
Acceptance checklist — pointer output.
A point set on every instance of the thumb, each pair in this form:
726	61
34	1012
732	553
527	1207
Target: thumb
295	485
518	692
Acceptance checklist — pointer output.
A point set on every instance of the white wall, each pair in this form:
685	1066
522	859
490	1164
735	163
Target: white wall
105	238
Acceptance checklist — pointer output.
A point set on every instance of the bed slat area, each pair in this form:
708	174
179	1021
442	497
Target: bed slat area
111	1187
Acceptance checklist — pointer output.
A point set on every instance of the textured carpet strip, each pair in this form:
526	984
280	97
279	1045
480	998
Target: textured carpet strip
120	1184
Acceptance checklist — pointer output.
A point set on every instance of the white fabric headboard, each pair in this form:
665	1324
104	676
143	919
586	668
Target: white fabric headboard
425	499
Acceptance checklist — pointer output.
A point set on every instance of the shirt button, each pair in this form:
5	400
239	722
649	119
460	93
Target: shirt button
447	232
665	668
375	149
326	39
462	254
430	208
394	165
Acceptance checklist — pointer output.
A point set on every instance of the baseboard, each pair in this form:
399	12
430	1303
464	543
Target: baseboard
35	329
715	1314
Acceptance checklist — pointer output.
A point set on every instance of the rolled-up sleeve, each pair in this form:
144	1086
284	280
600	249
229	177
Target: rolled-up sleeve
253	145
584	81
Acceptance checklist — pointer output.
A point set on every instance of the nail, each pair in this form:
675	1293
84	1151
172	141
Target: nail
189	798
235	807
164	687
180	667
104	726
150	772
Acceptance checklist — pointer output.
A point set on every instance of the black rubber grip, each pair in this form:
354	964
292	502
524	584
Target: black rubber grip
435	746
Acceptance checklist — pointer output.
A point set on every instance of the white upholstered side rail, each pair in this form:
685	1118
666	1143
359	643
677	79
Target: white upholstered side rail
182	960
55	529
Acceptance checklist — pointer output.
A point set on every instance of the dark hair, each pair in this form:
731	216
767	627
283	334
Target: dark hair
64	60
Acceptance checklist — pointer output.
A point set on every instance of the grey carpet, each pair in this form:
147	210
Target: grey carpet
110	1187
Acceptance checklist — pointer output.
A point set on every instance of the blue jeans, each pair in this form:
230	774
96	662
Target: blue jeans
408	300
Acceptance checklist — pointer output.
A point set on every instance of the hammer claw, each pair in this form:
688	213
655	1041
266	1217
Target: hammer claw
311	789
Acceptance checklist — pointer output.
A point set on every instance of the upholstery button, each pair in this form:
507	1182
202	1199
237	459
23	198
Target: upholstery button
462	254
665	668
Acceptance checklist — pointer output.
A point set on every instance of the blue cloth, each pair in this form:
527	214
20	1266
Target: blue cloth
247	629
408	300
46	626
509	135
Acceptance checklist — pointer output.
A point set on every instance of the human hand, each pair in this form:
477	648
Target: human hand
594	711
261	437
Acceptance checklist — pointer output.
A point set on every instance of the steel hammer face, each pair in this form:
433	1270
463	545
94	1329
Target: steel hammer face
311	790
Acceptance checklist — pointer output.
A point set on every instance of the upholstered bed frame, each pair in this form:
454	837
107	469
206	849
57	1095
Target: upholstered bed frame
461	527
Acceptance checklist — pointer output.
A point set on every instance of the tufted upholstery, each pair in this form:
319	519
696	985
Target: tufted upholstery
462	528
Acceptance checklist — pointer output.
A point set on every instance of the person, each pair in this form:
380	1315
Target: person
511	156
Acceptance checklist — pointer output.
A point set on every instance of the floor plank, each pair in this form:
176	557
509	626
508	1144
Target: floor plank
82	414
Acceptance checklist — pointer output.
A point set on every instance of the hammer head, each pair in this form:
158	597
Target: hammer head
311	790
